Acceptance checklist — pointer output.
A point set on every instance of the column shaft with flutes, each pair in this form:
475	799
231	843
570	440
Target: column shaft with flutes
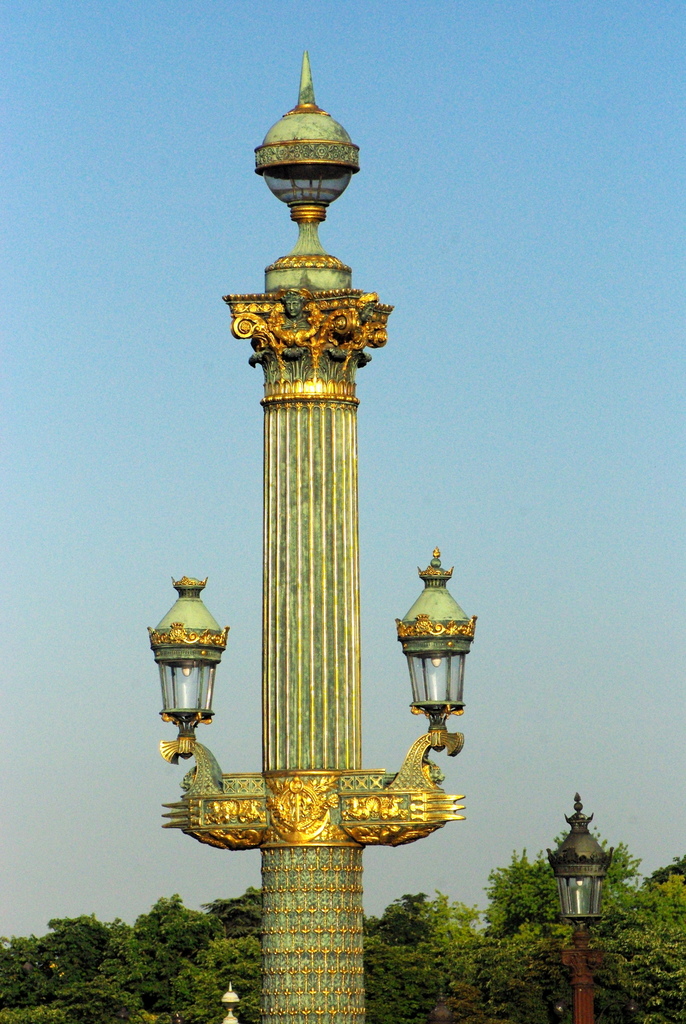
311	668
310	346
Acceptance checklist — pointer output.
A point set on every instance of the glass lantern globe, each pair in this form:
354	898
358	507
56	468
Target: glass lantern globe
317	183
580	865
436	636
188	645
437	676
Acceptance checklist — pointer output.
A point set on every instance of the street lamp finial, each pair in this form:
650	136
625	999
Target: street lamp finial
306	93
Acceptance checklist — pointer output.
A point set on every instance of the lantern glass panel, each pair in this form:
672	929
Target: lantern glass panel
437	677
308	183
187	685
580	895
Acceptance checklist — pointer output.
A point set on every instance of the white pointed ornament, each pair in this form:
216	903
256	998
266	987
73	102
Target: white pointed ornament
231	1000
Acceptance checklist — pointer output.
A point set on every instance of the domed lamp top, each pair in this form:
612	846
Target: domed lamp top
307	157
307	160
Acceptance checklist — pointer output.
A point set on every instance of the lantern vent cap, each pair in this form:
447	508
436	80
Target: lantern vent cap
436	601
580	853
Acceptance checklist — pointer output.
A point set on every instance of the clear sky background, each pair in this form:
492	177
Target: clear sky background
522	167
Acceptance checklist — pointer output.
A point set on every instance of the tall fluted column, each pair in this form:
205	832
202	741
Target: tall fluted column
313	807
310	346
311	615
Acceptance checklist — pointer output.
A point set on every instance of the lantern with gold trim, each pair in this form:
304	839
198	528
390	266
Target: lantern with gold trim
436	636
188	645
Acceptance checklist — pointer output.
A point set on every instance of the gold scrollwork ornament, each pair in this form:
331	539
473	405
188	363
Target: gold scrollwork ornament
424	625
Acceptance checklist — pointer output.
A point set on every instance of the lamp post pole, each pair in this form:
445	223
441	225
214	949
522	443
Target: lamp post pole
580	865
313	808
582	962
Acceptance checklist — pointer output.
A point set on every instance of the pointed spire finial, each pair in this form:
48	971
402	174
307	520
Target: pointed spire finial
306	94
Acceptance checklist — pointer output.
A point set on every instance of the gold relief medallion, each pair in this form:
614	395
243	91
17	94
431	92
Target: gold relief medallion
300	806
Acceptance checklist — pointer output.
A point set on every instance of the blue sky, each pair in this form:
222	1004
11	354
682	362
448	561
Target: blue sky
520	204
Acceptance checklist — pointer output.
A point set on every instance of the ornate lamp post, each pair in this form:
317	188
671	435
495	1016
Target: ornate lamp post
313	807
580	865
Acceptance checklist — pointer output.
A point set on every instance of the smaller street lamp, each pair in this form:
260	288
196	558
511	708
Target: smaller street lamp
436	636
580	865
188	645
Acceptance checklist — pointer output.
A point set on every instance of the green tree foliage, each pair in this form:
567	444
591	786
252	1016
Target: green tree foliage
200	985
402	981
406	921
522	896
239	916
167	938
34	1015
80	971
499	967
677	867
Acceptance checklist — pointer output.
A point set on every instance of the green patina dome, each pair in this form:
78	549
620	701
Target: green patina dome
306	135
188	628
435	622
435	600
296	126
189	609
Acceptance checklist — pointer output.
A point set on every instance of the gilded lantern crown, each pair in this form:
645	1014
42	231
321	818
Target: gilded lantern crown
187	626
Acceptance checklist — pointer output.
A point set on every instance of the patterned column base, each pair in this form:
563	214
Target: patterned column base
312	946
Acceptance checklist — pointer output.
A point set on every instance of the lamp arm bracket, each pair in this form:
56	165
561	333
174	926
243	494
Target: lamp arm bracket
415	772
453	742
206	777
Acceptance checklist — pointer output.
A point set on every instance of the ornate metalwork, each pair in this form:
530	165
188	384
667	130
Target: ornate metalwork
178	634
423	625
312	934
188	581
300	262
309	339
582	962
318	808
300	806
435	570
308	152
